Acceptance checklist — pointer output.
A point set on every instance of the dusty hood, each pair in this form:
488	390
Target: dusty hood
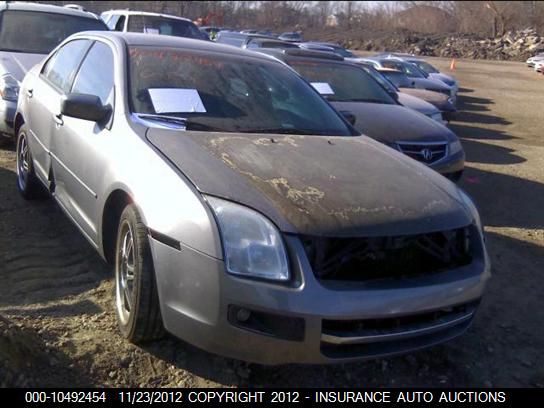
316	185
18	64
394	123
418	104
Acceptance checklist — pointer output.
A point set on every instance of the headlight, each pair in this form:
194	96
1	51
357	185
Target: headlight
9	88
455	147
472	207
252	244
437	116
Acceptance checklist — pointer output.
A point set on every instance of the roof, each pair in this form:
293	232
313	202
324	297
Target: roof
144	13
167	41
45	8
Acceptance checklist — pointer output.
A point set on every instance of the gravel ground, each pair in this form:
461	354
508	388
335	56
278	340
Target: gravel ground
58	328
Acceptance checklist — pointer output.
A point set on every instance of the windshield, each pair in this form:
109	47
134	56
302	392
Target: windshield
163	26
425	67
409	69
383	81
399	79
348	83
227	93
36	32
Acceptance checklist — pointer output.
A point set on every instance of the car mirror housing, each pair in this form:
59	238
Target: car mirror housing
84	106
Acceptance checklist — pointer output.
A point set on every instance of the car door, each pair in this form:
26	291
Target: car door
79	145
43	98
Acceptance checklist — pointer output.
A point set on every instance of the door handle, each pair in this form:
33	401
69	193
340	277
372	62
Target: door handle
58	119
29	92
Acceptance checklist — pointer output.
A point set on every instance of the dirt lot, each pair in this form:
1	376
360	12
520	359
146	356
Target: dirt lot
58	326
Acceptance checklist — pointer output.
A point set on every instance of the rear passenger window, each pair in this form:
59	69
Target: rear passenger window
95	77
62	66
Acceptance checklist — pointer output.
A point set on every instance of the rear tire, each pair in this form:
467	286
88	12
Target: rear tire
136	296
27	183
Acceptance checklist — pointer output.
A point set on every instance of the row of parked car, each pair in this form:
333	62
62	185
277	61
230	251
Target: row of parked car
235	196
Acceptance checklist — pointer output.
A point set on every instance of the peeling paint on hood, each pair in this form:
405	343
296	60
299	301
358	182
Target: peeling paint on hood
317	185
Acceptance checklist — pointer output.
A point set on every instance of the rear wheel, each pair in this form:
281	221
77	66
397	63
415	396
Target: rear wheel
27	182
136	296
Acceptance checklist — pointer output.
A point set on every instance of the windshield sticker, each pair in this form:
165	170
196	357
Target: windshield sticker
149	30
176	100
323	88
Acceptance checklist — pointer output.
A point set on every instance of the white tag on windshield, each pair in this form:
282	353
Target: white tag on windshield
149	30
323	88
176	100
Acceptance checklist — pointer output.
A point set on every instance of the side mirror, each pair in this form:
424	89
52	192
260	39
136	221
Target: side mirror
350	117
84	106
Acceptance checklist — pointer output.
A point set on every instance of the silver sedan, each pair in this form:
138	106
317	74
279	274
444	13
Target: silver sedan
239	210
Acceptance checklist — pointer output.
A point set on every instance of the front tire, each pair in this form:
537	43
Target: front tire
27	182
136	297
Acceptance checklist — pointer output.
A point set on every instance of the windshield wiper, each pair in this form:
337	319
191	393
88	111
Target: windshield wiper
188	124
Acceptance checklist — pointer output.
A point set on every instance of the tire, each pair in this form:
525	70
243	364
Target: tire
136	297
27	183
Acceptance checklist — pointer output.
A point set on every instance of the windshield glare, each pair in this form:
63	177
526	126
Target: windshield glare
409	69
348	83
36	32
227	93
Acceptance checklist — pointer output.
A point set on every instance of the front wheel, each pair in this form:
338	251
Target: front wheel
136	297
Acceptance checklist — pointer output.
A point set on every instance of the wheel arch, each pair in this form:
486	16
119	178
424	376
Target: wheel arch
114	205
17	123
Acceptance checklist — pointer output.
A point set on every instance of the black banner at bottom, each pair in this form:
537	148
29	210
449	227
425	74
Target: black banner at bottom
174	396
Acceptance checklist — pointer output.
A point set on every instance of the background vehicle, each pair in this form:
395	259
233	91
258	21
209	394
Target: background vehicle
412	102
258	42
531	60
237	39
442	101
291	36
350	88
28	32
225	224
417	77
427	68
337	49
151	23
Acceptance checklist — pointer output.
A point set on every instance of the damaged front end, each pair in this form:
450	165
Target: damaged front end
403	256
